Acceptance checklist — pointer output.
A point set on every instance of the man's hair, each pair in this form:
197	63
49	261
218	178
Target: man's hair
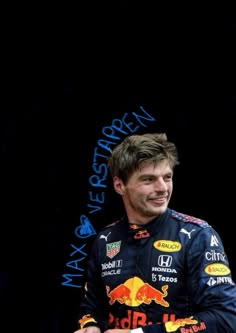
136	151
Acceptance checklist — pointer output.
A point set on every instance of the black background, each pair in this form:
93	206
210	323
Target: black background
87	67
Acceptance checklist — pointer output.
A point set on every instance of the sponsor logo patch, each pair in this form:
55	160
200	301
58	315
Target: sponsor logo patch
220	280
167	246
217	269
113	249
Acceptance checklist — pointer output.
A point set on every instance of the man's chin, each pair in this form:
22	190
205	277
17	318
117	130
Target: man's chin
160	210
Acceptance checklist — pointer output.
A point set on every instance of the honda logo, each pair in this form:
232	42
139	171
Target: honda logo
165	261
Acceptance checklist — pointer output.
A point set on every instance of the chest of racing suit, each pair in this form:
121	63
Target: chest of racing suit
171	274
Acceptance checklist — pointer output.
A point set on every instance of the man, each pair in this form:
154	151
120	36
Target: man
155	270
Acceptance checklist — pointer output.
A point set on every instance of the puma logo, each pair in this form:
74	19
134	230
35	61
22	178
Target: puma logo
105	236
187	232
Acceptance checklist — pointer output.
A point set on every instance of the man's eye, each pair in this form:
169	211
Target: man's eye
148	179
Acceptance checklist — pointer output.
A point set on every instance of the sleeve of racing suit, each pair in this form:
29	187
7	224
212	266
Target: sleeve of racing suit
210	286
92	310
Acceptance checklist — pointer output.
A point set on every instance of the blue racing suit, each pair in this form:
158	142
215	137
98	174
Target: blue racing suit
170	275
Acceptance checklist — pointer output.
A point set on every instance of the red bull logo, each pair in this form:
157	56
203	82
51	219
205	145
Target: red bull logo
141	234
135	292
135	319
194	328
86	319
146	294
120	294
173	326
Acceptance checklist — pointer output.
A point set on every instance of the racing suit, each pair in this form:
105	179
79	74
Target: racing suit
170	275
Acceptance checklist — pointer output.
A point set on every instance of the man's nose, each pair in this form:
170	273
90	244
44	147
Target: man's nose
160	184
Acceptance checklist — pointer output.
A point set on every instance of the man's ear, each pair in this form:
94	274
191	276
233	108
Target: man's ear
118	185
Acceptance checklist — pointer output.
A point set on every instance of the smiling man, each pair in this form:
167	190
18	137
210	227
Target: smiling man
155	270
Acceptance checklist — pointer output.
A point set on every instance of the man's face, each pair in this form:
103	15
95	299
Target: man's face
148	191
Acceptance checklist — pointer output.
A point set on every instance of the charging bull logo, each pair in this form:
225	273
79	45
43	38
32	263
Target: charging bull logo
173	326
135	292
121	294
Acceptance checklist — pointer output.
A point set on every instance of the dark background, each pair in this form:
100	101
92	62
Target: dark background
87	67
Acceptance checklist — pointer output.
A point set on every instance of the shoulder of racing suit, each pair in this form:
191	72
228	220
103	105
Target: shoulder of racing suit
189	219
112	224
181	217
